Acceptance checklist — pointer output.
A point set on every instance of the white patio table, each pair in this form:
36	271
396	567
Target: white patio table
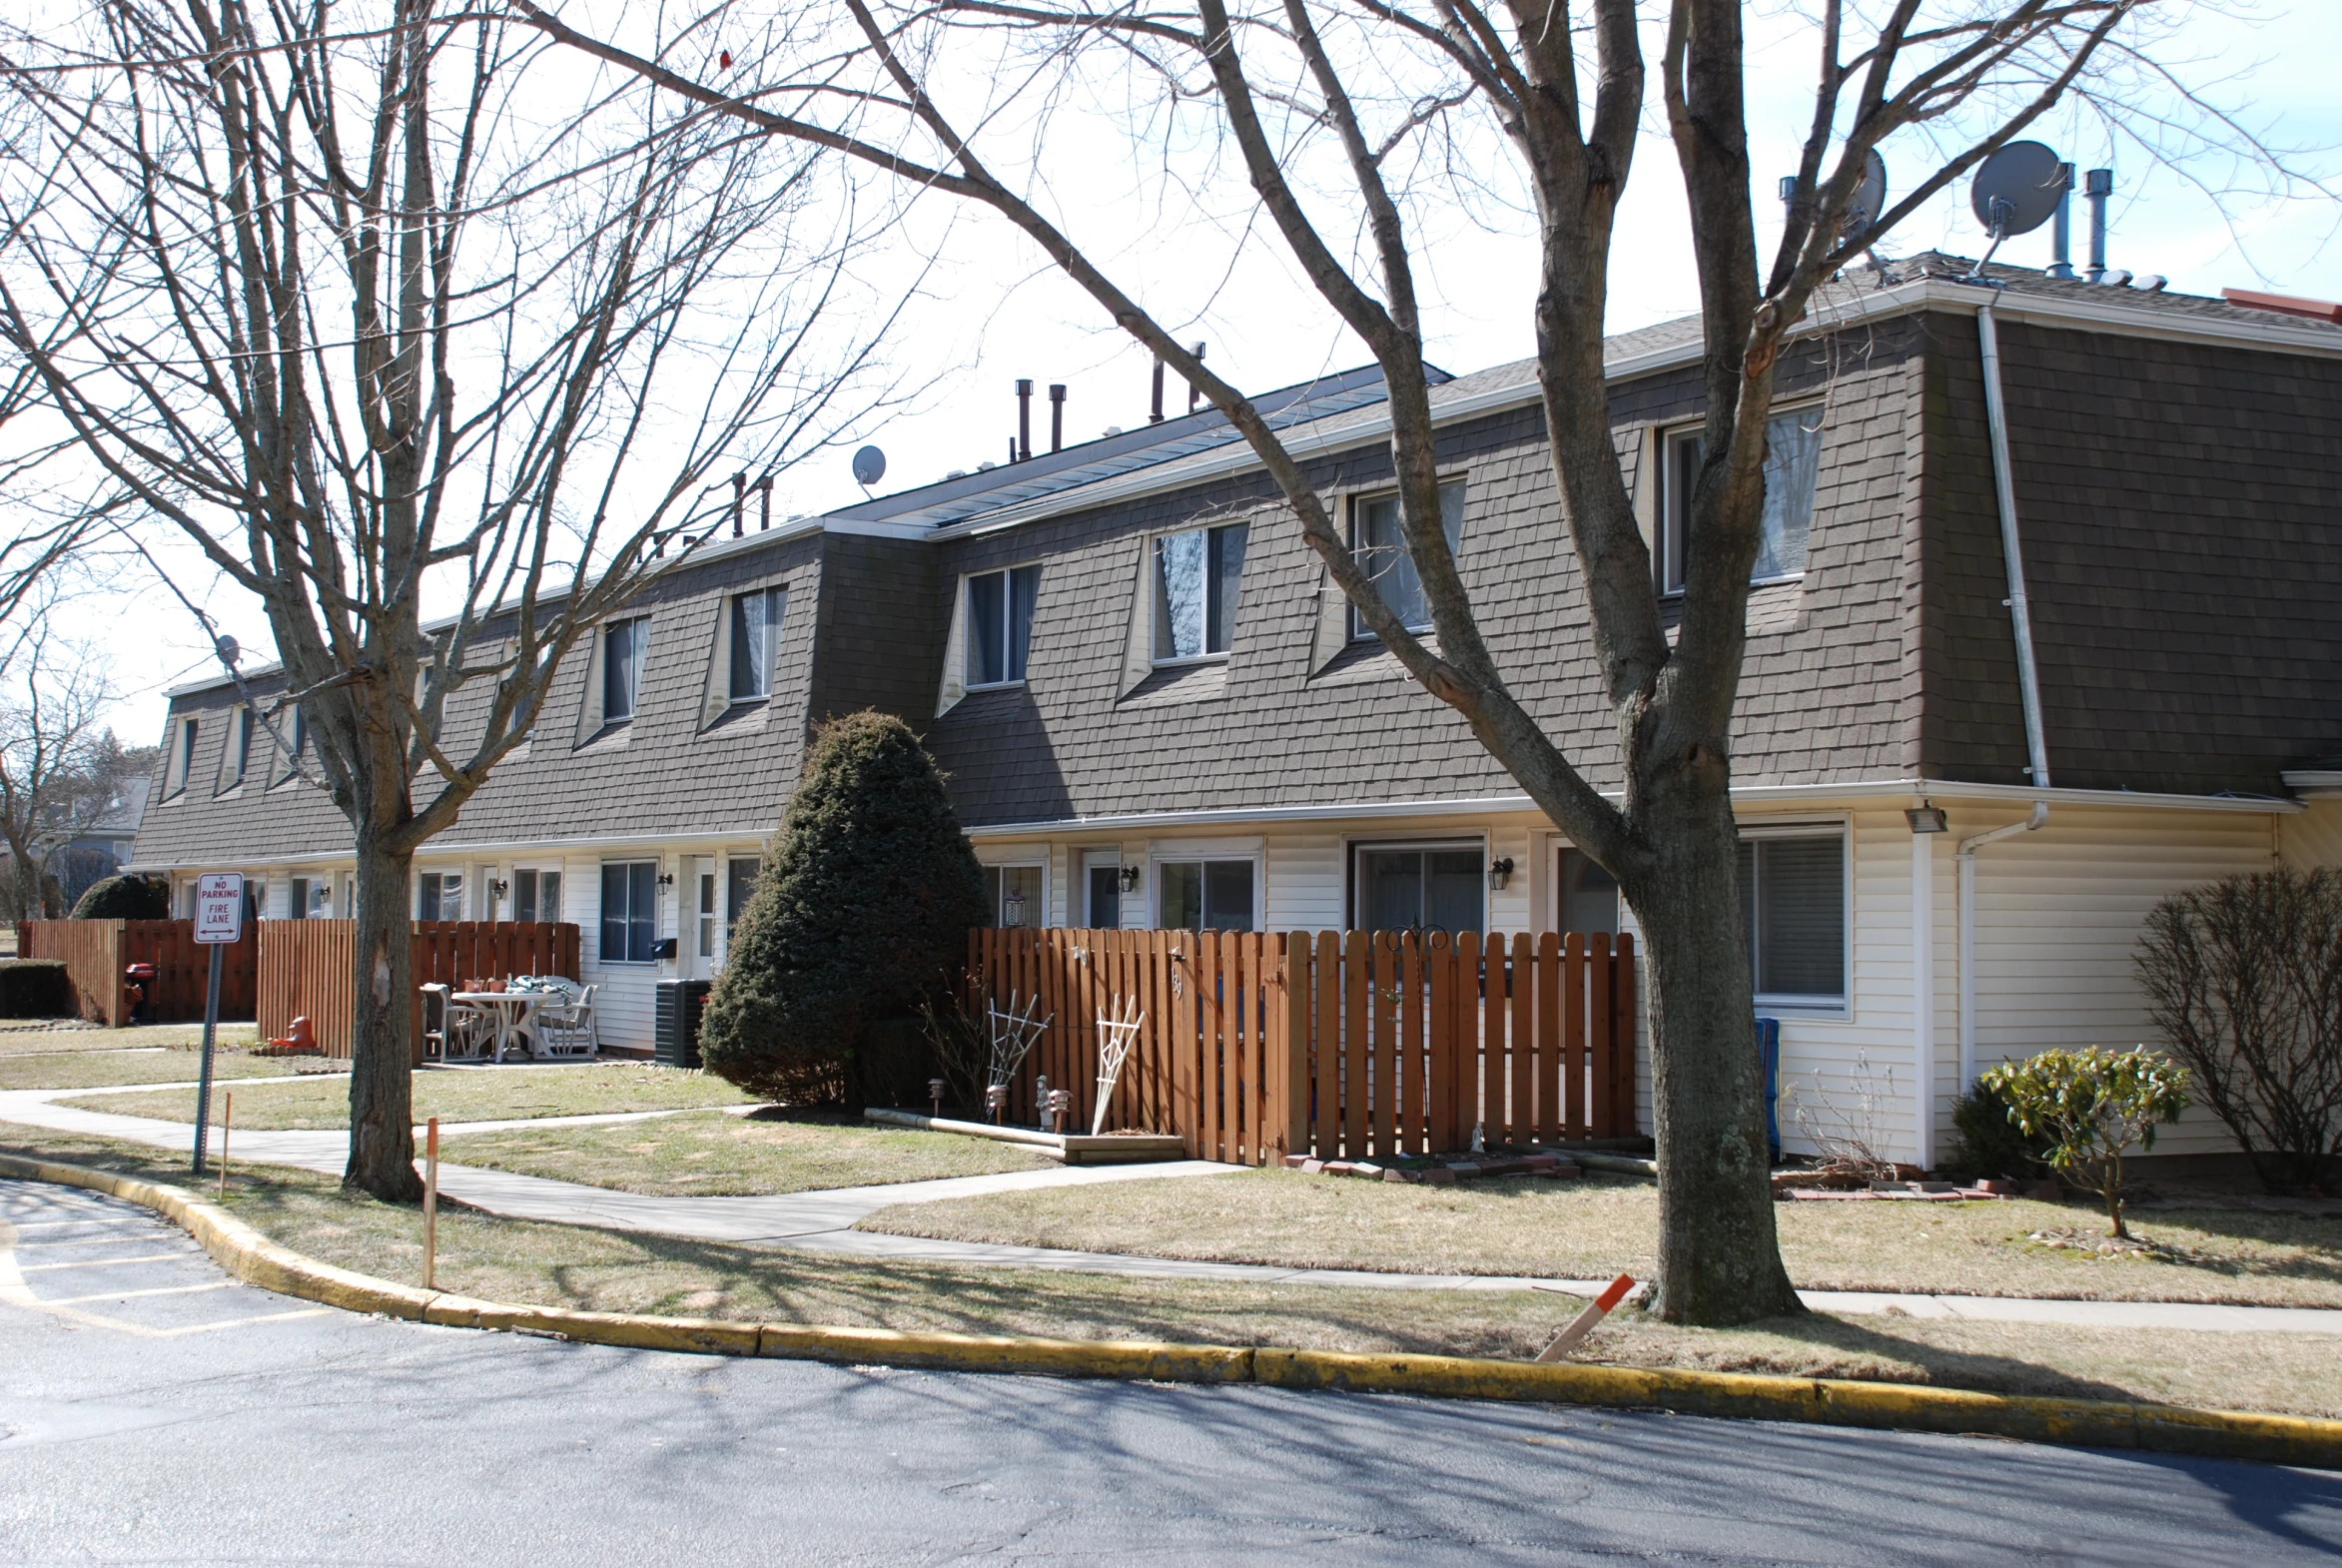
509	1009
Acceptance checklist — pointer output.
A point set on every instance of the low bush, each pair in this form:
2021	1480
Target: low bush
860	916
125	898
2244	979
1991	1143
2091	1106
35	988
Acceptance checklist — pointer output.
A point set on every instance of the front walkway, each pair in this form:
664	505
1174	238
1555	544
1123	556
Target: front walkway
823	1222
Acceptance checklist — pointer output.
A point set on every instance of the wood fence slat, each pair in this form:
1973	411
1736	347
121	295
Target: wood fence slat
1575	1069
1443	969
1602	1095
1325	1047
1550	1072
1622	1032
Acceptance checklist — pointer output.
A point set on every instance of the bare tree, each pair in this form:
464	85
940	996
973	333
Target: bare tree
1319	100
56	757
390	308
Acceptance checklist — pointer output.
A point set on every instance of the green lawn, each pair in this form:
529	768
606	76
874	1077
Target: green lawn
452	1095
707	1152
572	1267
1597	1227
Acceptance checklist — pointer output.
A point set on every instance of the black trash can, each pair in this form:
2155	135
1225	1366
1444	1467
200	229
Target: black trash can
675	1021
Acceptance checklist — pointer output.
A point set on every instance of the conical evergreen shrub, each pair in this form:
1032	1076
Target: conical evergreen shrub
860	913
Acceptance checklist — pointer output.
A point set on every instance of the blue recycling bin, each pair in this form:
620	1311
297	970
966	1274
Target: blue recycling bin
1769	1061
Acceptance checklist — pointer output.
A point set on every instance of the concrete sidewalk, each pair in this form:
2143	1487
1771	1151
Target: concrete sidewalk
823	1222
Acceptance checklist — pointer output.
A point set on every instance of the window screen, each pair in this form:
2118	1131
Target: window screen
1420	889
1792	910
629	923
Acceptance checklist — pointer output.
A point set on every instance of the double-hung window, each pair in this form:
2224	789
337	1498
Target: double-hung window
1793	912
1197	574
1015	893
630	911
1380	545
1793	462
623	644
1421	887
438	895
755	637
239	757
180	766
999	624
291	764
536	895
1204	895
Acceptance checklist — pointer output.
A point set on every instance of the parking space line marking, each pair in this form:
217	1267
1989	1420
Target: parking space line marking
108	1262
132	1296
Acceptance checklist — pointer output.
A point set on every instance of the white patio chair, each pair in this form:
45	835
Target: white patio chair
566	1027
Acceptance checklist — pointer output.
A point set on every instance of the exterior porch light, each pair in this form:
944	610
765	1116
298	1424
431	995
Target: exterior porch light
666	879
499	888
1130	879
1927	817
1499	872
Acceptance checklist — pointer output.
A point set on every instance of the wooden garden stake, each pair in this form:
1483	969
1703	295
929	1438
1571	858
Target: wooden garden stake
431	1202
226	1119
1596	1311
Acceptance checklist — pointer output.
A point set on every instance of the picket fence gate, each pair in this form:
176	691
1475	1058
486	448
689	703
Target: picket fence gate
1349	1044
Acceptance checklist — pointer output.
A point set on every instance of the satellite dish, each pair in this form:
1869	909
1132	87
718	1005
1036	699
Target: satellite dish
870	466
228	650
2017	189
1870	197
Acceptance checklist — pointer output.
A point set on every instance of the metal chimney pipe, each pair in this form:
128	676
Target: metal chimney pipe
1023	447
2101	186
1194	392
1056	416
1156	418
2061	235
739	493
764	495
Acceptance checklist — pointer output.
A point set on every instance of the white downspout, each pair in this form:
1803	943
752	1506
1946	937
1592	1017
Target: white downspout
2029	690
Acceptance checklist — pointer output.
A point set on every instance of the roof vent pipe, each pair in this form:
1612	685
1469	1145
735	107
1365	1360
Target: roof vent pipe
1156	417
1056	416
1195	392
739	493
764	501
2101	186
1023	449
2061	235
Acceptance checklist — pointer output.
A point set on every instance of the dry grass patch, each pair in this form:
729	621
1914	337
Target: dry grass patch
452	1095
1597	1227
569	1266
105	1069
38	1038
710	1154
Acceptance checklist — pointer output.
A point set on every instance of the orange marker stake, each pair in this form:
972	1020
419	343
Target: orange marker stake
431	1202
226	1116
1596	1311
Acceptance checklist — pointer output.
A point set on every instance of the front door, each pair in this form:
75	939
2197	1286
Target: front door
703	916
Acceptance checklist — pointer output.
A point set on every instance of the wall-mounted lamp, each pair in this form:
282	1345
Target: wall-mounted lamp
666	879
1926	818
499	888
1499	872
1130	879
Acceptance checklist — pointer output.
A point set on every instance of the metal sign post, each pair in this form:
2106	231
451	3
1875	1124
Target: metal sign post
219	921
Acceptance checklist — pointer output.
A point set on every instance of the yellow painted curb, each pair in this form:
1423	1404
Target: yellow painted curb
2227	1434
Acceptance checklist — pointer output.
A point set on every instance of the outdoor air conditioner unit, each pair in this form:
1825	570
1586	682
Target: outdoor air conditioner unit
675	1021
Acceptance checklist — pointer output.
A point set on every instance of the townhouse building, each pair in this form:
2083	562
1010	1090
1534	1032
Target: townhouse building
1155	708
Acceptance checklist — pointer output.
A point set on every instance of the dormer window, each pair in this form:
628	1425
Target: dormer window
1792	460
756	635
623	644
999	624
1379	542
1197	574
180	764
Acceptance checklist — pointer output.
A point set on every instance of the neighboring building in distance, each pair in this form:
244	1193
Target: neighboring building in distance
1155	708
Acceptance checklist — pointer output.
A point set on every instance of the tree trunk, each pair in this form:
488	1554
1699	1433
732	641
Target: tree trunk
382	1084
1719	1260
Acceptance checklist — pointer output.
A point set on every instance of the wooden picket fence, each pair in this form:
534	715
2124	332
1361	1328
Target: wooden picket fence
95	952
1342	1045
308	967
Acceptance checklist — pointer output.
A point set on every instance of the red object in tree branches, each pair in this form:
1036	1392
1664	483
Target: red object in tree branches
724	60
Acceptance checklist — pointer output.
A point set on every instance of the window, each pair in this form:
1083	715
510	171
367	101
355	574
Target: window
537	896
1792	910
1587	899
1014	894
440	896
739	888
311	898
622	649
300	750
1203	895
239	749
705	930
1381	548
181	763
1105	879
1792	461
756	635
1421	887
1000	623
1197	577
630	911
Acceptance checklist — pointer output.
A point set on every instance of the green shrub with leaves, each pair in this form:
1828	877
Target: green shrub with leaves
860	916
125	898
2091	1106
1991	1143
2244	980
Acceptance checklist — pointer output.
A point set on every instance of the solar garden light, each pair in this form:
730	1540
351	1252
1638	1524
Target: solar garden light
934	1092
996	1101
1060	1106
